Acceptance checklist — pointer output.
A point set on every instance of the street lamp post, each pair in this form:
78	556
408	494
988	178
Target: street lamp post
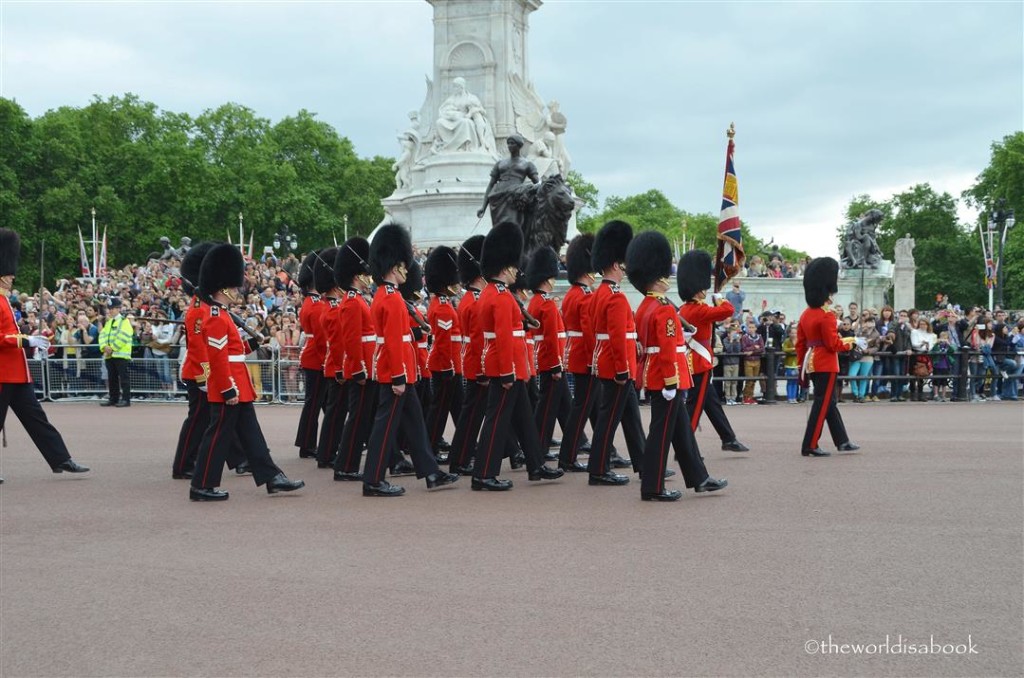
286	239
1004	220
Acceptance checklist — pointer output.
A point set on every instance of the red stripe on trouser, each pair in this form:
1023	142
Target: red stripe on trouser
664	445
384	445
608	432
313	413
826	403
698	406
583	420
497	416
213	444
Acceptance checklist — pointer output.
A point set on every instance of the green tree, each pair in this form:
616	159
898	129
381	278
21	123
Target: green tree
585	191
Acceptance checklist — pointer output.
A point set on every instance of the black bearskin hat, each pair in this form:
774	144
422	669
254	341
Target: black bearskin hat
520	282
351	260
442	270
578	256
610	245
413	284
543	264
503	247
469	259
306	269
10	250
391	246
821	281
693	274
222	267
648	258
323	270
190	265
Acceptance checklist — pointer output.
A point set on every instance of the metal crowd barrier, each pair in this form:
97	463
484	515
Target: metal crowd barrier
69	377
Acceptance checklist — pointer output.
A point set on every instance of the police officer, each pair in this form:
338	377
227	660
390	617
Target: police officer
115	341
16	390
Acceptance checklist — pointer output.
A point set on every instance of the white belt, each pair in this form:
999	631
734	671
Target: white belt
515	333
422	344
605	337
456	338
574	333
367	338
657	349
236	358
561	335
380	340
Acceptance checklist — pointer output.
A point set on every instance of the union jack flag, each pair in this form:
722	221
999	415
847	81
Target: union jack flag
730	257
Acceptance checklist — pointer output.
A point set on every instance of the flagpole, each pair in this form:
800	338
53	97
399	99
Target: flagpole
241	236
95	258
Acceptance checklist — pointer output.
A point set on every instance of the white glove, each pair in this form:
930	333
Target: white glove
39	342
668	393
687	335
717	298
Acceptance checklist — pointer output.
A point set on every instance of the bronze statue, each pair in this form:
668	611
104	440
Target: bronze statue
860	248
541	209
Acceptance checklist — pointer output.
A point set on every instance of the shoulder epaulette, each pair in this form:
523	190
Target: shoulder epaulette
586	290
333	302
442	300
616	289
351	294
500	287
215	310
196	303
315	297
545	295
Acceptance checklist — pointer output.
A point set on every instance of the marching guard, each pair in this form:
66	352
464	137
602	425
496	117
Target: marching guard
311	359
16	390
445	358
541	272
398	408
229	386
693	277
463	448
817	348
335	388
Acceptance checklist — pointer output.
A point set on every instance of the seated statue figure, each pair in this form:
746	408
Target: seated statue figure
462	123
507	194
860	250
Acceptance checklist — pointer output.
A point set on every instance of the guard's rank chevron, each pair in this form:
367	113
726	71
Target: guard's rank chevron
445	324
218	344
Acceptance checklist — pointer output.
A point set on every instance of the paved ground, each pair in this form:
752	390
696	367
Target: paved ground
918	536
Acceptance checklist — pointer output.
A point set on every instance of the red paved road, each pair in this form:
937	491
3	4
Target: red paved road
920	535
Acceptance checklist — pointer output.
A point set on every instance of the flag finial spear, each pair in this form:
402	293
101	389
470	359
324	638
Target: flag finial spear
731	132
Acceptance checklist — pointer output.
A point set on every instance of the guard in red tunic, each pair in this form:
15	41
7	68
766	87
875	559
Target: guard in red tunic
665	374
16	390
336	392
311	359
359	341
615	355
475	395
817	349
550	337
505	359
398	408
445	358
579	353
694	278
229	386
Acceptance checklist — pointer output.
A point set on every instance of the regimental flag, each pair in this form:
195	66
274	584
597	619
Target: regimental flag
83	257
101	268
990	273
730	257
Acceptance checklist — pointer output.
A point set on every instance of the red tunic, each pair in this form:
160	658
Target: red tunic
664	350
501	323
422	344
550	336
704	317
579	330
818	334
446	351
226	351
358	338
472	335
330	322
196	366
13	361
315	349
395	359
614	333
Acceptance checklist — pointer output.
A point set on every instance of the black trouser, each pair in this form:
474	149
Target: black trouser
687	452
336	407
508	417
587	392
703	397
362	403
398	414
619	404
423	393
232	425
192	429
119	384
669	426
446	398
554	394
470	418
305	436
21	398
532	392
825	408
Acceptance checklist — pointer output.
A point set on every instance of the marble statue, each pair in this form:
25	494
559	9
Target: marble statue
905	250
860	247
462	123
541	127
403	166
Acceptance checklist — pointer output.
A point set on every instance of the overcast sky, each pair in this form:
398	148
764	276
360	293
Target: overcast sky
830	100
